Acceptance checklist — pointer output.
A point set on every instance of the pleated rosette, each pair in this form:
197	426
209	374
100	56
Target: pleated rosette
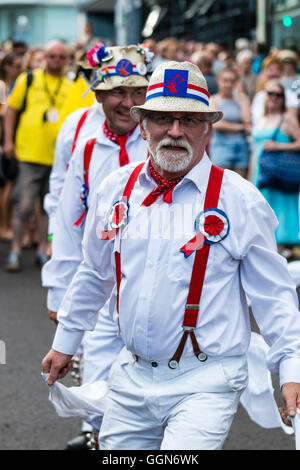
119	214
213	224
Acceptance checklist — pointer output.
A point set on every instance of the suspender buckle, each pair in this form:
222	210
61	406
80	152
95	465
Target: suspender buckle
173	364
202	357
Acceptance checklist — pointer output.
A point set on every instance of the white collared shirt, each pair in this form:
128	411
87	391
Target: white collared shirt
156	275
63	149
57	273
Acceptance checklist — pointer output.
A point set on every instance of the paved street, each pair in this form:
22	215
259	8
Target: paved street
27	418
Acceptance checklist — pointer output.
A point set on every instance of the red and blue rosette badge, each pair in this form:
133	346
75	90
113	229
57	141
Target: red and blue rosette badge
117	219
119	214
213	224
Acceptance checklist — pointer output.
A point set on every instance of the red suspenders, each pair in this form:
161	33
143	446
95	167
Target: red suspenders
126	195
199	267
78	129
198	274
88	150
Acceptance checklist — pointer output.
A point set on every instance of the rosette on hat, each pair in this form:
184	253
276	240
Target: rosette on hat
95	56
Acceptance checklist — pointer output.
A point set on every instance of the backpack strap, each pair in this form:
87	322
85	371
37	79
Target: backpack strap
88	151
29	80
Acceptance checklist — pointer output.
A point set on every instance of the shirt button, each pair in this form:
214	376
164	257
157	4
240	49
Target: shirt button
140	330
154	364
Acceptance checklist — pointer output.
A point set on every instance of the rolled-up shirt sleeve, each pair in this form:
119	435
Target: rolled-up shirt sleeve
92	283
274	301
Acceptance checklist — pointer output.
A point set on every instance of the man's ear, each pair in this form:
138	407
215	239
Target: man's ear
209	130
98	95
143	130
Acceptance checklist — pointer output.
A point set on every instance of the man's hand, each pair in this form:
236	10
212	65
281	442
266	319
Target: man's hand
9	150
57	365
49	250
53	316
291	396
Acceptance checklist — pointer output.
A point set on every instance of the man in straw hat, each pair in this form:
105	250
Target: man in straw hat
92	143
189	241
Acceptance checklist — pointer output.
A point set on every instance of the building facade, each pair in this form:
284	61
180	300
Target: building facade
221	21
285	21
37	22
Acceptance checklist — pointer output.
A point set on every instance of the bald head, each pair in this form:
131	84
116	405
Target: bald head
55	43
56	57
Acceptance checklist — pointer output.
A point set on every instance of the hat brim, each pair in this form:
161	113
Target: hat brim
176	105
113	82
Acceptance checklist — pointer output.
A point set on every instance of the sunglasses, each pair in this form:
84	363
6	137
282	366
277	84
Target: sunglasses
57	56
275	93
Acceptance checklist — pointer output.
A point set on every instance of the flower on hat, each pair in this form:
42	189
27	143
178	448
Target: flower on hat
96	54
149	55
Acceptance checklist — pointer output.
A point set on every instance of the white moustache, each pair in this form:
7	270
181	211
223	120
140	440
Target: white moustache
169	142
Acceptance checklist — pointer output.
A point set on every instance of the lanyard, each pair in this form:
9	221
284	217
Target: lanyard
51	96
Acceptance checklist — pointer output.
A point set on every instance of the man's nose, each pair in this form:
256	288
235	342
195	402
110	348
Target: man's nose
175	130
128	101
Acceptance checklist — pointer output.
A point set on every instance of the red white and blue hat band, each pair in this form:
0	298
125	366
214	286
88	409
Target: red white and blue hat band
176	85
124	68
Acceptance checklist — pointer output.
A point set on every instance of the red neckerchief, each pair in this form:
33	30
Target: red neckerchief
120	140
165	187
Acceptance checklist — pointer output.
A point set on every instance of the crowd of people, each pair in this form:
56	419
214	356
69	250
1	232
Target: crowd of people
240	83
205	106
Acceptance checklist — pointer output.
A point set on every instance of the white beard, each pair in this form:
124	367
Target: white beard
172	162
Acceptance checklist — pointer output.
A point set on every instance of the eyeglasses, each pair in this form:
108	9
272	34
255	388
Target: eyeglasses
165	121
56	56
275	93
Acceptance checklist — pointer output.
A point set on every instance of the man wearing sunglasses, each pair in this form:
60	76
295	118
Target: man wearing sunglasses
31	127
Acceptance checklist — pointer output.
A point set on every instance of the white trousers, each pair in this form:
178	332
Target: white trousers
101	347
191	407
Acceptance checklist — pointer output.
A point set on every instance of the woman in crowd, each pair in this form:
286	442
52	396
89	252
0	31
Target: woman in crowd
272	69
35	59
10	68
229	145
285	205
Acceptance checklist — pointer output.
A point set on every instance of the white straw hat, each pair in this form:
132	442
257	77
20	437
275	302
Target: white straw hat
177	87
119	66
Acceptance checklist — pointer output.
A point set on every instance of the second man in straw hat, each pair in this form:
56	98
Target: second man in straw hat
93	143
